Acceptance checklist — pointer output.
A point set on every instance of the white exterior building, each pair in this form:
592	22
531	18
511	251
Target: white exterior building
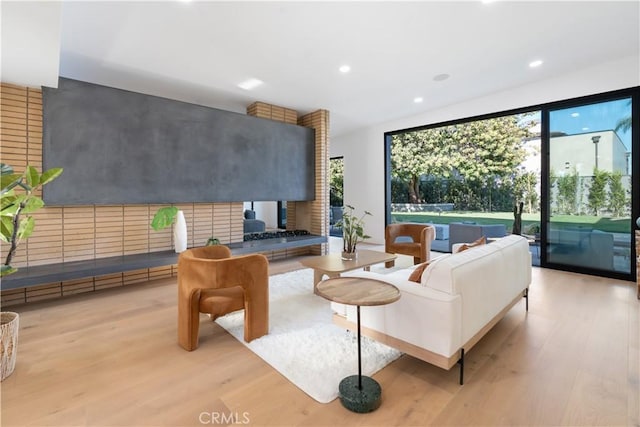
579	152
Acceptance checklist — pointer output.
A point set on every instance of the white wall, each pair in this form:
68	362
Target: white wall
363	150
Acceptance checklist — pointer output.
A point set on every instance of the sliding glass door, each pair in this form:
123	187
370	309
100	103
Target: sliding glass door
589	215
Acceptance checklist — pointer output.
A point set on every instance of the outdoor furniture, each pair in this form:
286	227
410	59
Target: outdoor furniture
211	281
466	233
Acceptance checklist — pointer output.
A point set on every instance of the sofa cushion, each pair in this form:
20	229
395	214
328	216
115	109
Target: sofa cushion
424	279
478	242
416	274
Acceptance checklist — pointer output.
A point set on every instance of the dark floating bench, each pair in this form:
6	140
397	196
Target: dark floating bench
60	272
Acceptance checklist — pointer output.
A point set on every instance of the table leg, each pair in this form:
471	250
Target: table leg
357	393
359	354
317	277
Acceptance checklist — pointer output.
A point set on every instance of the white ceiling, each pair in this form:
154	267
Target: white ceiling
199	51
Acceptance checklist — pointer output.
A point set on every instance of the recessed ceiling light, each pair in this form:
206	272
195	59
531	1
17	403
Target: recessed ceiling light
344	68
535	63
441	77
250	84
575	114
418	99
585	128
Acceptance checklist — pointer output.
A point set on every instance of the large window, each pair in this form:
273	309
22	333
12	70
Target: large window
559	174
589	219
336	194
469	176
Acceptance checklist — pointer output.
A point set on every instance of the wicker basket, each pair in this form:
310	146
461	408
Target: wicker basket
8	342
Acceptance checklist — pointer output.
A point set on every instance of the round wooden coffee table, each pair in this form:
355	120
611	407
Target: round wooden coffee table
358	393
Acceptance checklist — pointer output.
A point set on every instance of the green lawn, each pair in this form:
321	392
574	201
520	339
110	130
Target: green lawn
612	225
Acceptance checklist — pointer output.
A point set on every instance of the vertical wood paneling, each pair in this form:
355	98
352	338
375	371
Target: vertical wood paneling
236	222
202	228
43	292
45	244
319	208
159	272
221	220
78	233
108	281
79	286
108	231
136	276
136	229
34	128
13	297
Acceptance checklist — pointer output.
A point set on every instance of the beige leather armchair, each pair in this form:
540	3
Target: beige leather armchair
419	247
211	281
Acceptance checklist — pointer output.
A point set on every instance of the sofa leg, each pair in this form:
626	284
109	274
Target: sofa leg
461	363
389	264
526	299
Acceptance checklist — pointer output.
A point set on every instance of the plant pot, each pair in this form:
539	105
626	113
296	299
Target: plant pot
9	322
349	256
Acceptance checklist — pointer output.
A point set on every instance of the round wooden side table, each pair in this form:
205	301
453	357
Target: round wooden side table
359	393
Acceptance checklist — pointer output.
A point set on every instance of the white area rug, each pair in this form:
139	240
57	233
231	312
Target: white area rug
303	344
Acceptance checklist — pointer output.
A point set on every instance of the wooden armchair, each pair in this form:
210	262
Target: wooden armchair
211	281
419	246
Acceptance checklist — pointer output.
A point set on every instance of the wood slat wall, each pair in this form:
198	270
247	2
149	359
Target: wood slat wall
71	233
316	212
318	209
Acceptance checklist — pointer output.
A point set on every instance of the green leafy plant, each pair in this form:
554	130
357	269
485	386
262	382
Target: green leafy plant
352	228
18	201
164	217
212	241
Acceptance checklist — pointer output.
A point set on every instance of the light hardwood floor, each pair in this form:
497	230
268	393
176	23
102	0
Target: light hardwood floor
111	359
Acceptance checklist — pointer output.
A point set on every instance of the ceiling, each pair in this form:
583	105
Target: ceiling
199	51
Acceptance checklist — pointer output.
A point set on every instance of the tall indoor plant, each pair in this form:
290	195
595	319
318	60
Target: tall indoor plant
16	224
352	231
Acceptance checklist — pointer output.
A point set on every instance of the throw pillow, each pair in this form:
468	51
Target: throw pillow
481	241
416	275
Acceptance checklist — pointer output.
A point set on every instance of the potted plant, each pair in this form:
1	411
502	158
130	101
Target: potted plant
9	323
167	216
18	202
212	241
352	231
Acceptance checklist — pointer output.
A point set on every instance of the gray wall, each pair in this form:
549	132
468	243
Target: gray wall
120	147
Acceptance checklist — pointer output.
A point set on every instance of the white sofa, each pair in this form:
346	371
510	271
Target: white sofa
460	298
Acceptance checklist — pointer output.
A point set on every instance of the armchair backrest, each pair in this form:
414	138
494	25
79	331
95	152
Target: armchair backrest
418	232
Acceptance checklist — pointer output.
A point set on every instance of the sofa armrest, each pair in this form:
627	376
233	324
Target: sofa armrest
413	316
